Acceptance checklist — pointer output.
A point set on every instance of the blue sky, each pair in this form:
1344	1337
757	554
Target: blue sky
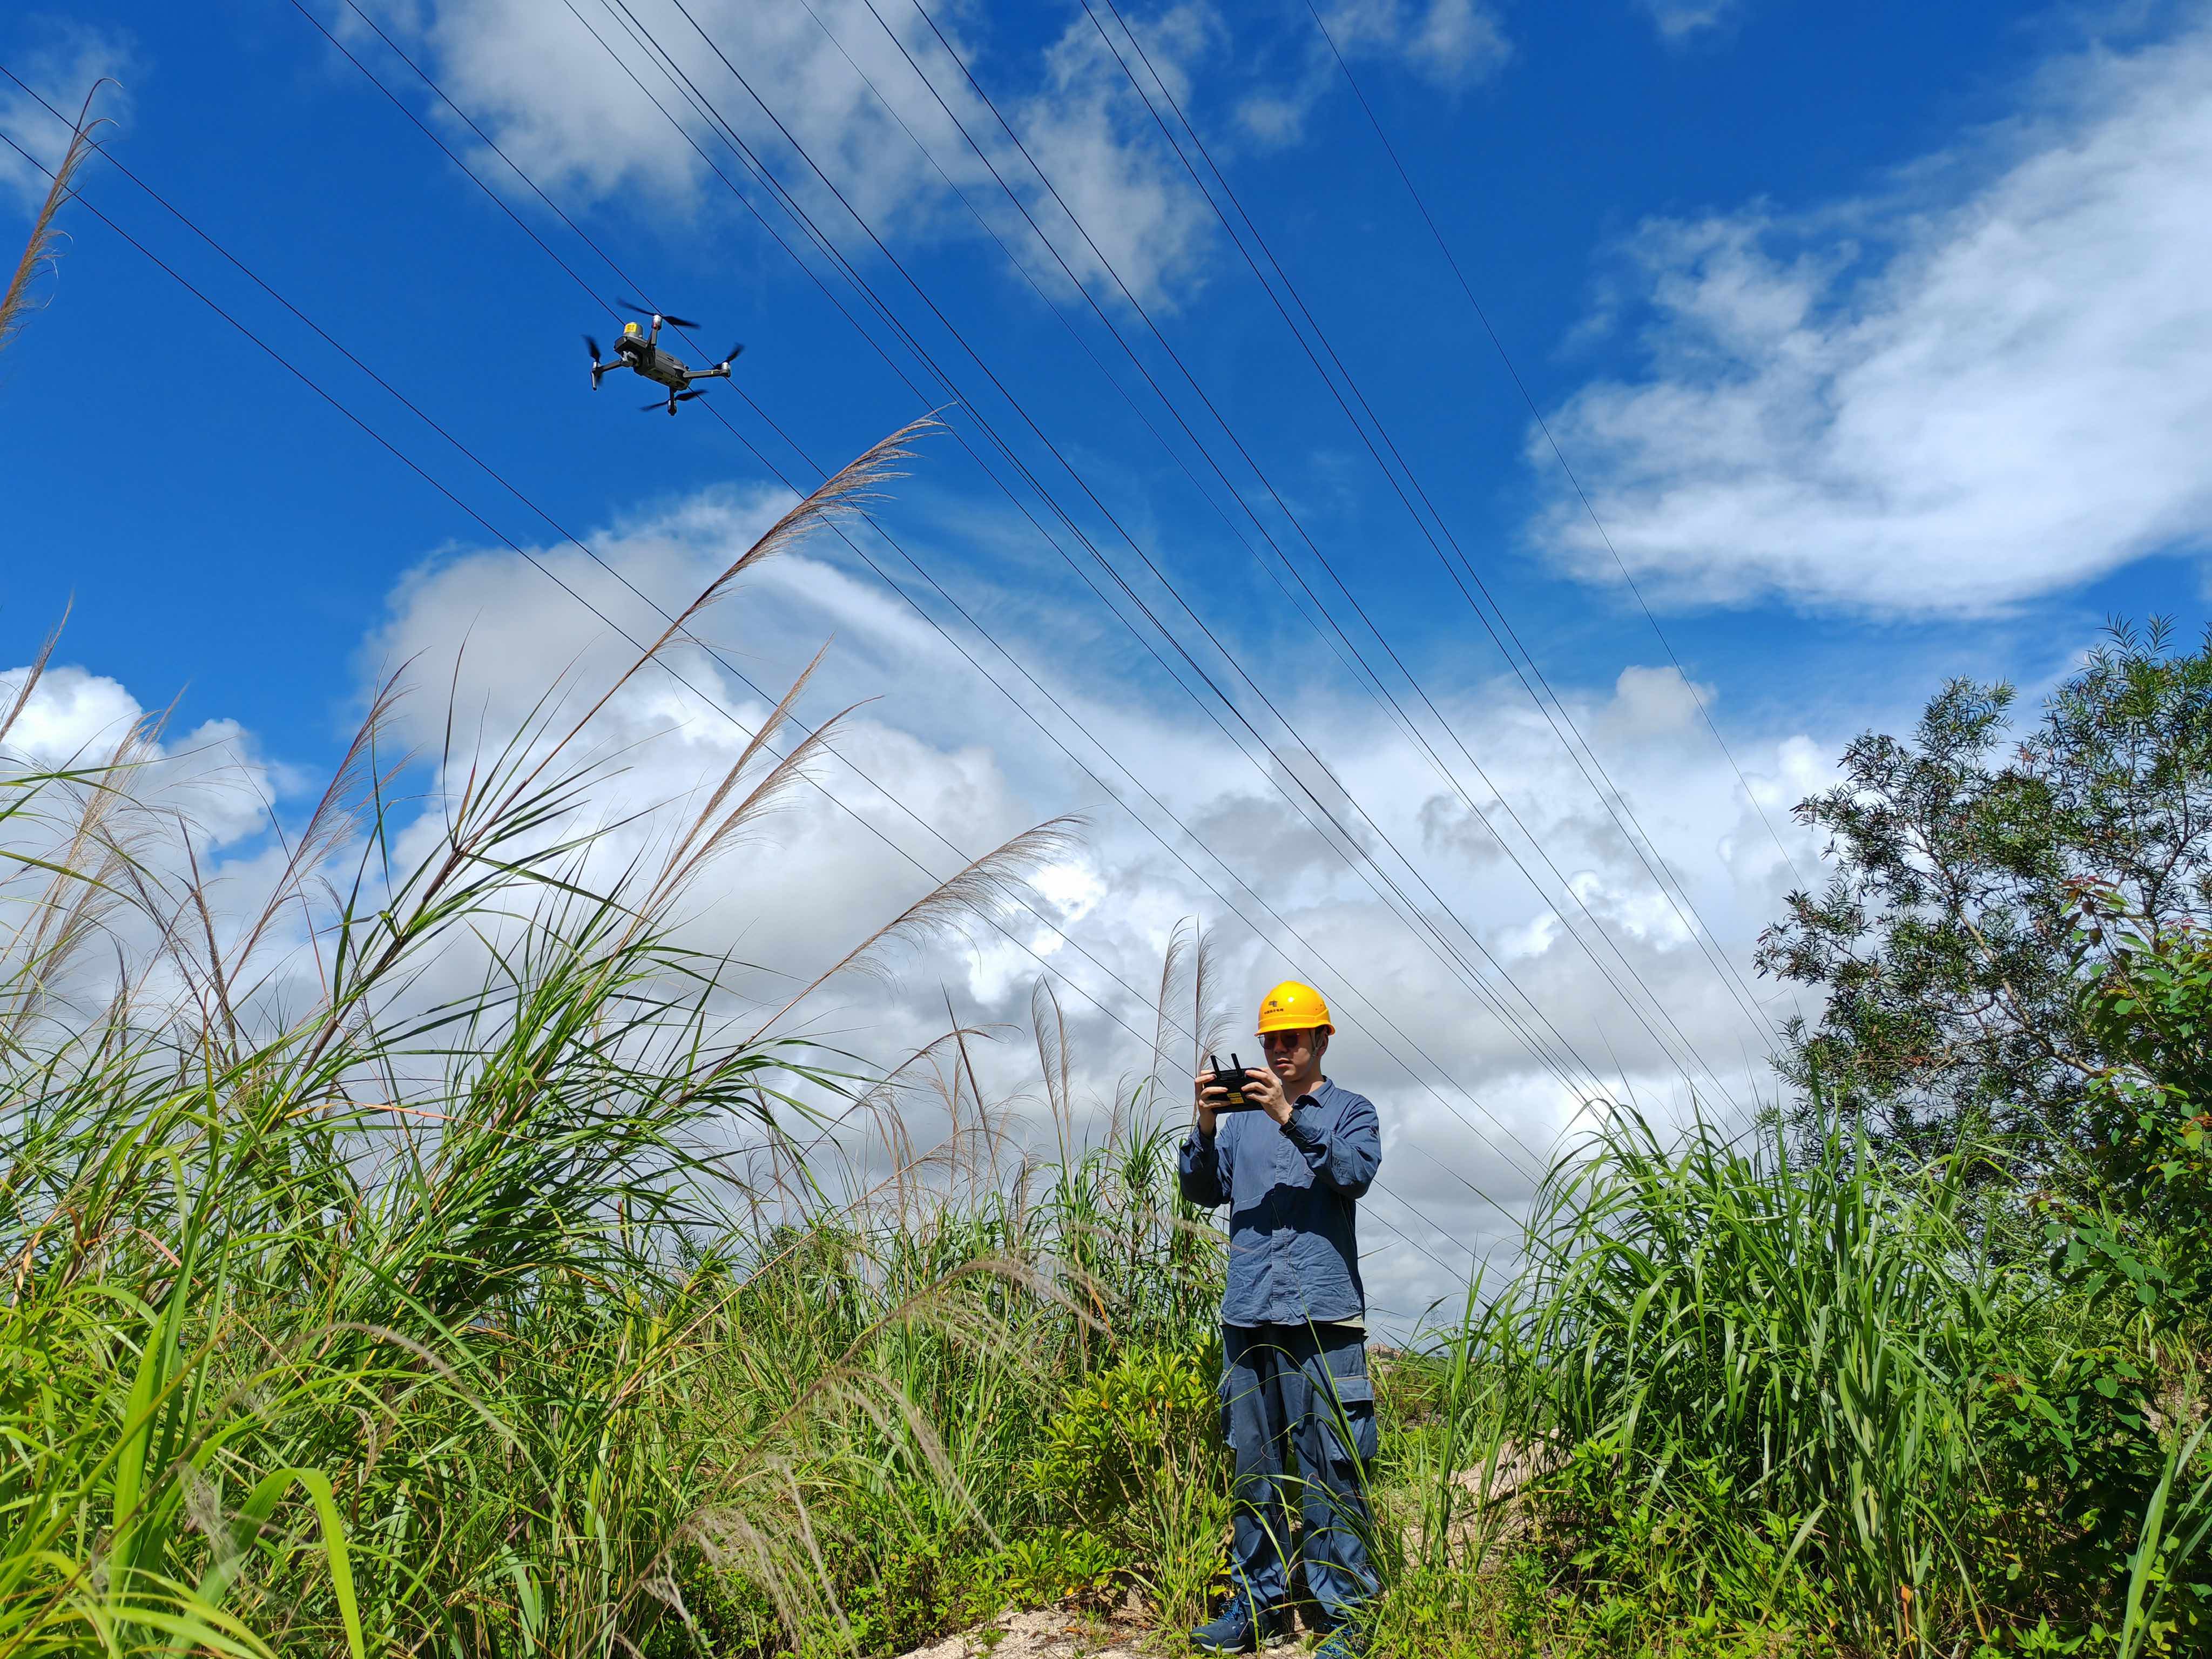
1878	335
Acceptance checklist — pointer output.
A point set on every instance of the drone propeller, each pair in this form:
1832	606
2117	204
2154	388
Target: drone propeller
662	402
675	322
593	346
682	397
733	353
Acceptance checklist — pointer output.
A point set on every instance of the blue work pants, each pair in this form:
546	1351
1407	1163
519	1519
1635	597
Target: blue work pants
1304	1387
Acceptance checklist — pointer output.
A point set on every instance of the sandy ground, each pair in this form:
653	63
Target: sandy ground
1060	1633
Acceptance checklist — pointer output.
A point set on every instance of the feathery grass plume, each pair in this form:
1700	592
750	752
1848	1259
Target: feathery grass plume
43	247
1183	940
986	886
348	802
711	830
963	1071
32	676
846	491
524	792
981	1143
1209	1019
90	867
1048	1024
1187	981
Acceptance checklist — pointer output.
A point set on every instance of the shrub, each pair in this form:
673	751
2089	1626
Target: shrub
1153	1417
1134	1454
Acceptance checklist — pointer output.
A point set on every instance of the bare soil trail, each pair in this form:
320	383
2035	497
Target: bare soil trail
1064	1633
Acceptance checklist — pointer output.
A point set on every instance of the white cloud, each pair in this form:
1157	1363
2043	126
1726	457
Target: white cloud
1950	400
72	717
944	744
1680	20
563	105
1450	44
1456	40
61	67
560	102
79	721
812	880
1089	133
102	785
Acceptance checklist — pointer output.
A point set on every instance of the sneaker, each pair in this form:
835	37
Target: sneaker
1343	1642
1237	1630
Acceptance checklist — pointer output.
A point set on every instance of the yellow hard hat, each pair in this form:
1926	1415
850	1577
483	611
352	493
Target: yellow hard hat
1292	1006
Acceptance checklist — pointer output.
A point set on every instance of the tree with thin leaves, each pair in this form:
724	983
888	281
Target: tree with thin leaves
1946	942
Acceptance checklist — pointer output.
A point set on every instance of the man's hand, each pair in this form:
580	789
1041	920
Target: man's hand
1265	1090
1207	1096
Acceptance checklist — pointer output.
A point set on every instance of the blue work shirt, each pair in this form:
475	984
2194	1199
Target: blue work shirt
1293	1253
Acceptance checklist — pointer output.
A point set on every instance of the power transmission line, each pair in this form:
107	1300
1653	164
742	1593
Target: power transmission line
1107	264
829	250
1609	794
1355	665
789	202
824	244
1137	305
1544	426
577	279
339	405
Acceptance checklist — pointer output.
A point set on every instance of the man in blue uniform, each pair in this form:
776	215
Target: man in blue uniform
1294	1355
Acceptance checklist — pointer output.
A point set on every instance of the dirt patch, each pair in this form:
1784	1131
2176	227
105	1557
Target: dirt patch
1062	1633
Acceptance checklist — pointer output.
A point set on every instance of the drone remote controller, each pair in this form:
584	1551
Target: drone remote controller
1231	1077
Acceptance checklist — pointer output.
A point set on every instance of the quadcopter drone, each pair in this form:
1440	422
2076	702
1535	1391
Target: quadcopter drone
636	349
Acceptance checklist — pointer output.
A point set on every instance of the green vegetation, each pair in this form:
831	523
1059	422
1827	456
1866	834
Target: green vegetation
447	1261
1920	1369
1810	1399
1948	944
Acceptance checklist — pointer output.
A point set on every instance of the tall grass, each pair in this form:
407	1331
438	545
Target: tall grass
1793	1387
347	1308
1800	1338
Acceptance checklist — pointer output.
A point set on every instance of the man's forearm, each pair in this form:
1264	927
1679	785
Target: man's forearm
1198	1169
1344	1157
